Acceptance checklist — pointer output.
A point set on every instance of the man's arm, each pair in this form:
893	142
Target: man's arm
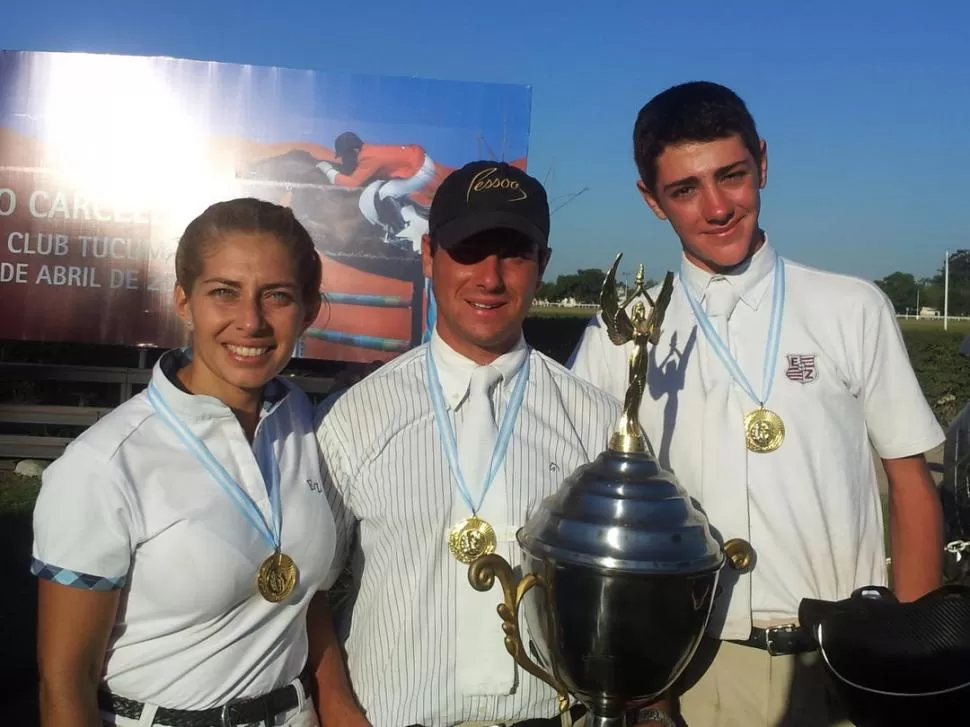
333	696
901	427
916	528
367	169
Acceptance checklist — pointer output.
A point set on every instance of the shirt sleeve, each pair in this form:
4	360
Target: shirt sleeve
83	523
898	417
590	360
336	471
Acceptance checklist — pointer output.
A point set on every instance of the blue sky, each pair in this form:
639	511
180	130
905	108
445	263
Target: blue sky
865	105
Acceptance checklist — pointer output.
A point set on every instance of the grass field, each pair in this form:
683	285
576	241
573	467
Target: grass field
561	311
17	493
934	324
961	325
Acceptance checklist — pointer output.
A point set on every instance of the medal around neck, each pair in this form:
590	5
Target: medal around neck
472	537
619	568
764	430
277	576
276	579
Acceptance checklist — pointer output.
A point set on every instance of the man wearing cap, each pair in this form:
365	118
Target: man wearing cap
454	443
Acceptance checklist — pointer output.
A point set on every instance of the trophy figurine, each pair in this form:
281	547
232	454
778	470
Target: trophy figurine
641	329
619	568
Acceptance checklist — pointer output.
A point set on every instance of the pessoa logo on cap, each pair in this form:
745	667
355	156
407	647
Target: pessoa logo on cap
486	180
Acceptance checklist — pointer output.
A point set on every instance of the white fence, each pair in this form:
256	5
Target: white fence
128	381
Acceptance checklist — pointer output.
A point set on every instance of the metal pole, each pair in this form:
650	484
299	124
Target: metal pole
946	289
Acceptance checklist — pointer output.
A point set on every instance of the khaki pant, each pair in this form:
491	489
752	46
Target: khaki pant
747	687
566	722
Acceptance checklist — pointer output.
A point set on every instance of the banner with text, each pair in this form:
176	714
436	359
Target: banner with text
104	160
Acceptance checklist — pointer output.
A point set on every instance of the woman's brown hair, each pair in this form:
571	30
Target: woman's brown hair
248	215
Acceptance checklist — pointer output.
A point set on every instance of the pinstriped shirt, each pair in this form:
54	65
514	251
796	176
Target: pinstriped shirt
393	496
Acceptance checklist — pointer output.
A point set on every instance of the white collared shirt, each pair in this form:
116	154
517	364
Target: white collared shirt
129	507
455	370
391	484
843	380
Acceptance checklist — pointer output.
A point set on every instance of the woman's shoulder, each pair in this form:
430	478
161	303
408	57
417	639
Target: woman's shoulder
114	431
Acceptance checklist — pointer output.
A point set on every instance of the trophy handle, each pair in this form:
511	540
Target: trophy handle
482	574
739	554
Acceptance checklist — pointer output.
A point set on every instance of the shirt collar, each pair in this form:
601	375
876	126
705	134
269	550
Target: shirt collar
749	279
455	370
200	406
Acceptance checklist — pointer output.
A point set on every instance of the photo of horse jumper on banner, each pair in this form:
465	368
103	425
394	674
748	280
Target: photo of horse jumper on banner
366	206
357	158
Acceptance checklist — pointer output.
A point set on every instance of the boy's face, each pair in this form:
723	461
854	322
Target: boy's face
710	192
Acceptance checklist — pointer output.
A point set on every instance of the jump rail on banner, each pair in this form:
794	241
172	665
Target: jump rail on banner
376	343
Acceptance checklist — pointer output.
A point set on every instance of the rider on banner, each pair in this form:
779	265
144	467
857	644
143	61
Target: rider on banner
399	181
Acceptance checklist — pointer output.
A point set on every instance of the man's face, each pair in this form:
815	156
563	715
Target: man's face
484	288
710	192
347	161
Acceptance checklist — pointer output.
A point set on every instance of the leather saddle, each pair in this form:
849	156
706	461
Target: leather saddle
895	663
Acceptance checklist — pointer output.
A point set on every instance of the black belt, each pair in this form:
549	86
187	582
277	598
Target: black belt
255	710
779	640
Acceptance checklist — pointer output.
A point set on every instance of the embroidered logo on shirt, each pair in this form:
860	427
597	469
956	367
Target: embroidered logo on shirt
801	368
315	486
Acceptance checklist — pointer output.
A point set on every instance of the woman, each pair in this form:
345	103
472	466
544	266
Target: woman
182	543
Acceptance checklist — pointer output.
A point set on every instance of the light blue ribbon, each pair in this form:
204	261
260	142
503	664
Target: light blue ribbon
265	458
774	336
448	432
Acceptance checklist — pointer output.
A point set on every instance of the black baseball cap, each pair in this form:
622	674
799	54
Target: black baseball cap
486	195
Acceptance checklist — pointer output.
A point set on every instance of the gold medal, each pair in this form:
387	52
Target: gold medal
470	539
764	431
276	579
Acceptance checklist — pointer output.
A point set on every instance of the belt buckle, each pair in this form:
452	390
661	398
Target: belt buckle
769	632
226	717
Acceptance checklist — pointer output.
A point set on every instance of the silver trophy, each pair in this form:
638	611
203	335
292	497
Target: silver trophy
619	568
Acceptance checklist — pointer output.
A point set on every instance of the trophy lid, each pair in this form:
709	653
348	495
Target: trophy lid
623	513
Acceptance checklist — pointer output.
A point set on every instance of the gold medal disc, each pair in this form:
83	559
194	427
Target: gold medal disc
276	579
764	431
470	539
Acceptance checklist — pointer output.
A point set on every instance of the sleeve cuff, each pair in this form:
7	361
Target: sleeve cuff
912	449
76	579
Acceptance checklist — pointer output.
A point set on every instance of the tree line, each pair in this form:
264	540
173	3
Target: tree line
583	286
907	293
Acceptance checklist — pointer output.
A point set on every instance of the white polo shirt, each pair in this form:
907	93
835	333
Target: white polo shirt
390	482
129	507
843	379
